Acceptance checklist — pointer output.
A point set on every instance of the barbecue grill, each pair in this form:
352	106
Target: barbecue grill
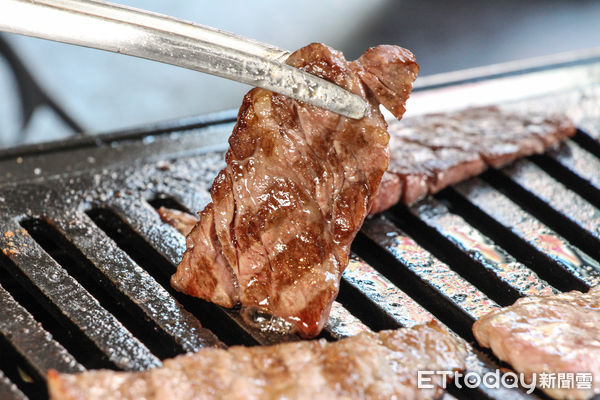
86	260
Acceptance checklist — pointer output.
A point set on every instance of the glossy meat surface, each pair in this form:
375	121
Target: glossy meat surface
380	365
298	184
555	334
430	152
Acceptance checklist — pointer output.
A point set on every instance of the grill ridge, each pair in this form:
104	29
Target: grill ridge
523	251
446	251
462	237
425	295
160	268
355	301
27	311
532	230
12	368
542	210
587	141
50	315
78	266
569	178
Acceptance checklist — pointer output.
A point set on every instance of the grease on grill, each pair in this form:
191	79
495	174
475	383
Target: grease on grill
429	269
532	178
265	322
384	293
531	230
342	324
482	249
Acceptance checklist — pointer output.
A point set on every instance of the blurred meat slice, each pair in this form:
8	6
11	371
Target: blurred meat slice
298	184
380	365
557	334
430	152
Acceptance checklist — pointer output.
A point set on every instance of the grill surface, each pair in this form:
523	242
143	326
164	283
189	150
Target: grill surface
85	259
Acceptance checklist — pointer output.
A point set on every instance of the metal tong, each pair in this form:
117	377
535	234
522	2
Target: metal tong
157	37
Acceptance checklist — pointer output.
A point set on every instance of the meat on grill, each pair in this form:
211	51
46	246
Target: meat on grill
380	365
430	152
298	184
552	334
180	220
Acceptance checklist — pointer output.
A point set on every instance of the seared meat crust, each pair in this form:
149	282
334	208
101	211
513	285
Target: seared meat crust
380	365
298	184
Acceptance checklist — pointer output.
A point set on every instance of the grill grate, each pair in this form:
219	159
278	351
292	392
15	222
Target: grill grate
9	390
86	260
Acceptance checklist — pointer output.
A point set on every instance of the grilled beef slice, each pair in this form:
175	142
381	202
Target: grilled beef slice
298	184
430	152
180	220
380	365
557	334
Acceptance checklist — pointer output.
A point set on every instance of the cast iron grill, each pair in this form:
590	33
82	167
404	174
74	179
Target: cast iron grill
86	260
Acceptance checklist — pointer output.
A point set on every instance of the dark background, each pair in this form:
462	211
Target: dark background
103	91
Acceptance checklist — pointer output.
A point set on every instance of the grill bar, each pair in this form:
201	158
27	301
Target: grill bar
441	286
342	323
129	234
500	266
554	202
384	294
150	298
588	134
31	340
8	390
581	270
144	220
580	162
108	334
